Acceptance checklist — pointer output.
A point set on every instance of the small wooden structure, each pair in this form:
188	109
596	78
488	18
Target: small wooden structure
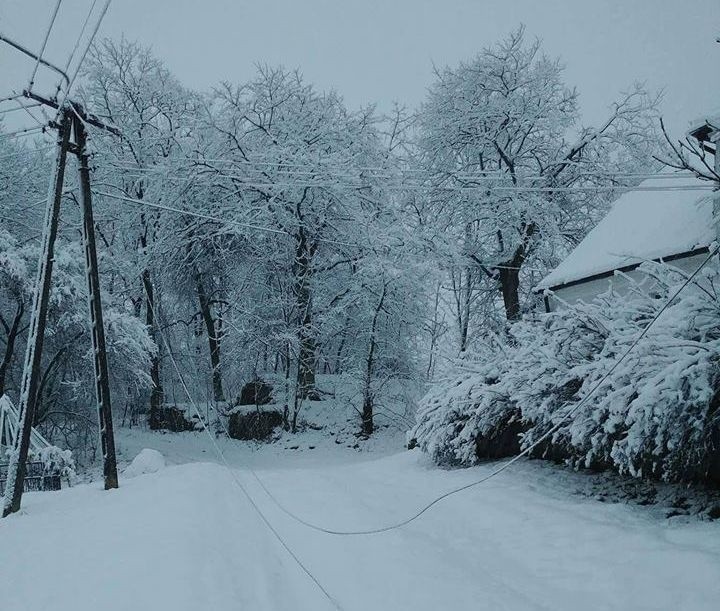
39	476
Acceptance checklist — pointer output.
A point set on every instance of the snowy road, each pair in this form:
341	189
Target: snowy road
185	538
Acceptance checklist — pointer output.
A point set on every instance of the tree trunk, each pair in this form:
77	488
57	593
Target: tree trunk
156	393
286	405
341	347
307	362
434	334
465	315
213	339
463	295
509	274
368	398
303	296
12	334
509	286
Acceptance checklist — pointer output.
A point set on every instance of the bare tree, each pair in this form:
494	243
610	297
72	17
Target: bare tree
495	138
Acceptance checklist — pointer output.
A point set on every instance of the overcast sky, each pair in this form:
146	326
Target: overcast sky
383	51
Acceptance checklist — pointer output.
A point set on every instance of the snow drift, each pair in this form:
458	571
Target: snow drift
147	461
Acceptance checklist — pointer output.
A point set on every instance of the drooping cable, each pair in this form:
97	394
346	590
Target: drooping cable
563	419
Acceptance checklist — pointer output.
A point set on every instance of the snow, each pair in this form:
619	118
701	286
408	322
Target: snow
147	461
641	226
185	538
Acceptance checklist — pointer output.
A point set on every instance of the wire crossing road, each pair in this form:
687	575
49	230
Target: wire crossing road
521	542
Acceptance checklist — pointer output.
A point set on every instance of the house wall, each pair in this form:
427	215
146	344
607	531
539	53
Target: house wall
587	291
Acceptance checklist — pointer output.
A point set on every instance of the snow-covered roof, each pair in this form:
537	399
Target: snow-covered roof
712	118
641	226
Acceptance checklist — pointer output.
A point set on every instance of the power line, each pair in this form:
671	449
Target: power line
79	38
87	48
401	184
44	44
22	49
24	151
285	172
10	98
493	473
277	159
6	111
261	160
208	217
333	170
200	215
22	132
26	108
244	182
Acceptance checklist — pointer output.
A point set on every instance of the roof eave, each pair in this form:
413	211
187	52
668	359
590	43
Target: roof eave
625	269
705	131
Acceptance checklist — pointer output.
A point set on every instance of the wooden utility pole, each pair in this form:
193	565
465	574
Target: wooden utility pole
36	332
102	386
71	118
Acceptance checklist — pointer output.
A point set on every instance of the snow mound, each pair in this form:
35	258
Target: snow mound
147	461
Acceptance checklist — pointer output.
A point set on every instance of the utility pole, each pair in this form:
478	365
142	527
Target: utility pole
71	118
36	332
102	386
715	139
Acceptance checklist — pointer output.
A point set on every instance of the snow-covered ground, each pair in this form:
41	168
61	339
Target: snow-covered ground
184	537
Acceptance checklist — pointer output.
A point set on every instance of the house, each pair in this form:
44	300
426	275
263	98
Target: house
706	131
668	218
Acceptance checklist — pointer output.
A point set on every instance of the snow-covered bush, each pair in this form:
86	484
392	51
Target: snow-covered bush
66	407
55	461
655	415
465	407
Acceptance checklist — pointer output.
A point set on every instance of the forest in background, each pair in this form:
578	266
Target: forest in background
265	231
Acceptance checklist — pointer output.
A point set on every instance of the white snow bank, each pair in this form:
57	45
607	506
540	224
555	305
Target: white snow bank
147	461
641	226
